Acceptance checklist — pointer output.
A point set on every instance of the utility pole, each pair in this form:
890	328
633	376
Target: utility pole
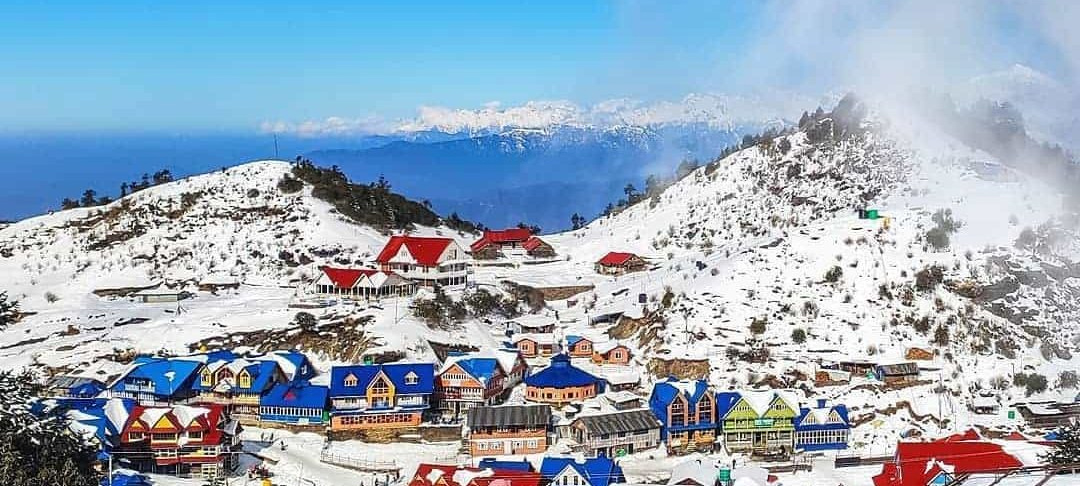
275	147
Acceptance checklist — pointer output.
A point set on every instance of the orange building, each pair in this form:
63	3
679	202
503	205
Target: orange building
611	353
561	383
508	430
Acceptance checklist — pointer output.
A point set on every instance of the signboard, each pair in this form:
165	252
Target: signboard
724	475
369	360
620	452
1012	414
763	422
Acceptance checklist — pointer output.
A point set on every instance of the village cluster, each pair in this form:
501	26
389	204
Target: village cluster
575	401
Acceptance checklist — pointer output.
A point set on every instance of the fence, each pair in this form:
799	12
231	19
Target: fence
359	464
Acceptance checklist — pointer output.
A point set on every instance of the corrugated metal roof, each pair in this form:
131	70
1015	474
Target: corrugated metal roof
511	415
617	422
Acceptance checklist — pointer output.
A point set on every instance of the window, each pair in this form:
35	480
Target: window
195	435
350	380
207	377
136	436
244	379
380	386
412	378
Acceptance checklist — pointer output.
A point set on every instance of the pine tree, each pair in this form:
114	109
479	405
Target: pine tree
38	449
577	221
89	198
1068	446
69	203
9	310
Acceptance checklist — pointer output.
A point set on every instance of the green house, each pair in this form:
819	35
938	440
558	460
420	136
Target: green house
758	422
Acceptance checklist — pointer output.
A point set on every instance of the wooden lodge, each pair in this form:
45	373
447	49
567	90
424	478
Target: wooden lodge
616	263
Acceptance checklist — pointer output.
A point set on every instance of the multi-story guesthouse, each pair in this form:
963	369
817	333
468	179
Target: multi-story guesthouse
428	261
296	403
237	383
596	471
508	430
496	244
468	380
383	396
533	345
822	427
611	353
157	381
561	383
687	413
758	422
617	263
180	439
361	284
615	434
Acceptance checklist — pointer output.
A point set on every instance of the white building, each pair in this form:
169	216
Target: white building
428	261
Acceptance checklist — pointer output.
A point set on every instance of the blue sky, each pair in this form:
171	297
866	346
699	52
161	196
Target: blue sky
203	66
200	65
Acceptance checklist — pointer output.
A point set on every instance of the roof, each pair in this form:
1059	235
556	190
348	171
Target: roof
302	395
168	376
510	415
425	250
572	340
492	463
597	471
430	474
820	417
666	391
899	369
481	368
917	462
696	471
346	278
262	375
533	243
512	235
616	422
396	372
206	418
561	374
616	258
536	338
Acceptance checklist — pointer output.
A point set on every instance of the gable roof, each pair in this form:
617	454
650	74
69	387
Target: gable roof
167	376
262	376
617	422
510	415
533	243
425	250
511	235
206	418
396	372
899	369
597	471
616	258
345	278
302	395
481	368
492	463
821	418
432	474
664	392
561	374
915	461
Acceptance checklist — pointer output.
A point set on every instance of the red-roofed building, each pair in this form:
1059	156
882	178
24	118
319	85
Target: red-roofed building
937	463
437	475
616	263
499	243
361	284
428	261
180	440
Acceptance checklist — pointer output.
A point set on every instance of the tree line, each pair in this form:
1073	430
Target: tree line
90	197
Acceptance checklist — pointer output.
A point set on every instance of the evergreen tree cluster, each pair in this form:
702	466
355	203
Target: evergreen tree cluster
655	184
38	449
9	310
90	197
373	204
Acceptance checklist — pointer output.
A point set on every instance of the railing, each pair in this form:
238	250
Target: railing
358	463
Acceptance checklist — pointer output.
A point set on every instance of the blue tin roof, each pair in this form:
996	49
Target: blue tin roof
725	401
666	391
168	376
425	373
491	463
572	340
302	395
89	389
480	368
300	363
561	374
824	410
597	471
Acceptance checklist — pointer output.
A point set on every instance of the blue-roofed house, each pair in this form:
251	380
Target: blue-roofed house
468	380
157	381
579	346
562	383
238	383
383	396
297	403
295	365
687	413
498	465
822	427
72	386
597	471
